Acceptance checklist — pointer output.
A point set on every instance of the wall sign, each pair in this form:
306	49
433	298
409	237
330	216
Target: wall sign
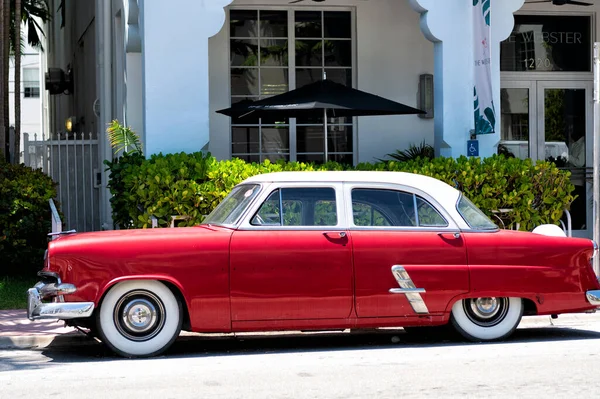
548	43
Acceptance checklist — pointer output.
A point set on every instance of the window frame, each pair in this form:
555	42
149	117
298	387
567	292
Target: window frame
291	67
452	226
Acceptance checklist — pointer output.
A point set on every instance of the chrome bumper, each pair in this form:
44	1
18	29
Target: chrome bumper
36	309
593	297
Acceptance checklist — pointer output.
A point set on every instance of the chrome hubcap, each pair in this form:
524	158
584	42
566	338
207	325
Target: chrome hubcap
484	308
139	315
486	312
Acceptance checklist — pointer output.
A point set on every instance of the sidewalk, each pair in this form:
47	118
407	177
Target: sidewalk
17	332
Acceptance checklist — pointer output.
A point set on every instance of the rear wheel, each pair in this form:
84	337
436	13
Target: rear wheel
139	318
487	319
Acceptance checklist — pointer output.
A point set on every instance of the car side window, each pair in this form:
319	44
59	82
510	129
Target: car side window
298	207
380	207
428	215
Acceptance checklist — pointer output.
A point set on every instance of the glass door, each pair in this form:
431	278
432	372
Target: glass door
518	126
565	125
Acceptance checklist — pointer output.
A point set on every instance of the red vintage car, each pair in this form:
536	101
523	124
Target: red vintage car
316	251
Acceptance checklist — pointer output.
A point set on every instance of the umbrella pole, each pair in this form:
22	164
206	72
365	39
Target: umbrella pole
326	130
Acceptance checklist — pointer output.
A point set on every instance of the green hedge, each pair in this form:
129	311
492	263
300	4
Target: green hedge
193	184
24	218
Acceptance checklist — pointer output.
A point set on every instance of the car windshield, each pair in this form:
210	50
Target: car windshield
231	208
474	217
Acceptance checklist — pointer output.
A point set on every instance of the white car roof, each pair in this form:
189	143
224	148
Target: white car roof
445	194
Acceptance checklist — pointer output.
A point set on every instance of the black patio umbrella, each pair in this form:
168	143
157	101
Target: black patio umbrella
323	97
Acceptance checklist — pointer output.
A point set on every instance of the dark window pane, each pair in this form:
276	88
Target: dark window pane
273	81
428	215
243	23
275	140
318	120
274	119
309	24
544	43
515	123
397	205
564	126
273	52
345	159
273	24
244	52
338	53
321	200
309	52
310	139
244	81
310	158
244	140
307	76
338	24
269	212
341	76
339	139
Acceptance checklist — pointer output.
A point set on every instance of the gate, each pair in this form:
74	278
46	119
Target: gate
71	160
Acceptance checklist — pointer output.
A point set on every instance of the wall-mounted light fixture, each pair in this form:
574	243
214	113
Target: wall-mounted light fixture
70	123
426	95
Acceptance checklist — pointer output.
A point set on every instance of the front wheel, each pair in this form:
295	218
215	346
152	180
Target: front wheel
487	319
139	318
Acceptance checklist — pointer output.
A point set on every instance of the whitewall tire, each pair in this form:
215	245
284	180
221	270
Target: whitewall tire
486	319
139	318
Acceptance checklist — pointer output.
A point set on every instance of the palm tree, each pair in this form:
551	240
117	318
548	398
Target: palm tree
17	49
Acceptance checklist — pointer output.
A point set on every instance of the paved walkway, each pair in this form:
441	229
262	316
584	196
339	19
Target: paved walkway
18	332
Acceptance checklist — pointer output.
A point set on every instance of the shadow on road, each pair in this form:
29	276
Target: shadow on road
211	346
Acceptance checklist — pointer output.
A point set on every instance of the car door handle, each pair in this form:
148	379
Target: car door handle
454	235
335	234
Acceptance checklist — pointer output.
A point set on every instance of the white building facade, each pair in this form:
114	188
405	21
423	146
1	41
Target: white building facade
165	68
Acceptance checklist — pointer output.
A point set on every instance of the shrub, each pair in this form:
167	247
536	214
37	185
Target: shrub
24	218
193	185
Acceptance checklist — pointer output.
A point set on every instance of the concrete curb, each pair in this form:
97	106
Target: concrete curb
76	338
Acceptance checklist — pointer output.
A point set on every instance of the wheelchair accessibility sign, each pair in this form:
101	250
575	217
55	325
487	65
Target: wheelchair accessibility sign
473	148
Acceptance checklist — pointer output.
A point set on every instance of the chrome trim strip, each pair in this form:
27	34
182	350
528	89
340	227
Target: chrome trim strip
280	208
408	288
593	297
416	210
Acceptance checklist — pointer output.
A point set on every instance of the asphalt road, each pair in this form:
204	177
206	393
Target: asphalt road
545	362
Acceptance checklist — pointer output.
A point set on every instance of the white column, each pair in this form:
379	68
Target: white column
448	24
176	72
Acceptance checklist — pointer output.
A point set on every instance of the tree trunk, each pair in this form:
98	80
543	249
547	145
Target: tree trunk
16	150
2	78
6	52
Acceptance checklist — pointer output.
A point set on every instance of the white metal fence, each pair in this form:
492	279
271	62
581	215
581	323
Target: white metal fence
71	160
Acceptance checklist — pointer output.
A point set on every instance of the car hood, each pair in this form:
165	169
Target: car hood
122	238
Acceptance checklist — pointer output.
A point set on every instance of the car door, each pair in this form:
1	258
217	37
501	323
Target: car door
409	257
292	259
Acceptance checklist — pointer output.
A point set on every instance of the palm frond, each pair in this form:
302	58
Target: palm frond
422	150
124	139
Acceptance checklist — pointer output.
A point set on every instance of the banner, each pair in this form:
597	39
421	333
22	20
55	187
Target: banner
485	113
